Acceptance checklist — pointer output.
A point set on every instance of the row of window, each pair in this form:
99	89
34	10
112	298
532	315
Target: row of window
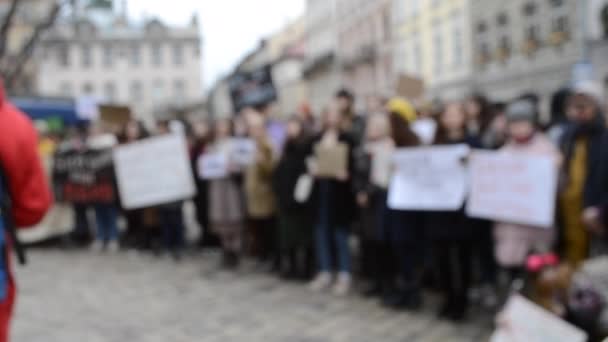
108	90
110	54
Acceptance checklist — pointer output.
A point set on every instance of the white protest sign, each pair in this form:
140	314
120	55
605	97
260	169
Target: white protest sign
213	166
429	178
526	321
425	129
154	171
243	151
515	188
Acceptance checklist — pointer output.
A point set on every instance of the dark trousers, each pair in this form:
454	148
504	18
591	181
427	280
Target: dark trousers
454	259
201	204
172	223
484	253
82	227
135	234
410	259
378	263
262	238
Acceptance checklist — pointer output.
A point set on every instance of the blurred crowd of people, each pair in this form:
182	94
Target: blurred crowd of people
394	254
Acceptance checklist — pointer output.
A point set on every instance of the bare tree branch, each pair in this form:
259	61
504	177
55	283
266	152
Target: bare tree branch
6	25
26	52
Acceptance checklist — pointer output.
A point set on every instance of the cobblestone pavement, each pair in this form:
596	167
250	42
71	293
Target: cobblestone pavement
76	296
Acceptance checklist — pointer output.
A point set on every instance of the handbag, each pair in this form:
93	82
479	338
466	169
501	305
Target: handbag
303	188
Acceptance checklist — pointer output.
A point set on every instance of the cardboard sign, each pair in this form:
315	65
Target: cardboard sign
515	188
411	88
115	115
331	161
85	176
243	151
154	171
526	321
213	166
381	164
429	178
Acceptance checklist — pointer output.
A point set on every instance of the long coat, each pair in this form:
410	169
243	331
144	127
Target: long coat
451	225
515	241
335	197
258	183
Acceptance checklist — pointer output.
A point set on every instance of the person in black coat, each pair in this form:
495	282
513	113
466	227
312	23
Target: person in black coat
405	228
295	224
451	232
334	210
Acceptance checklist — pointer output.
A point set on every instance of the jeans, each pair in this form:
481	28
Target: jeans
106	216
172	223
324	237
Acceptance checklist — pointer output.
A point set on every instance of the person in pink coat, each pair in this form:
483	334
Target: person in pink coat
514	242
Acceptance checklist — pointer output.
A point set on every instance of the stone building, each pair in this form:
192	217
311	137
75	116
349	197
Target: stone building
151	66
525	46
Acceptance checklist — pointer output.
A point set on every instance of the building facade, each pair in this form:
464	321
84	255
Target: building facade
151	67
525	46
321	68
364	47
597	40
433	42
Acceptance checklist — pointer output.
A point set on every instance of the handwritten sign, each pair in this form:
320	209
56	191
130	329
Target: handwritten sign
154	171
213	166
513	188
526	321
331	161
243	151
429	178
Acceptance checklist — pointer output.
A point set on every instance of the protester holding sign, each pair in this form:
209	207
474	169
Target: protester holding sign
135	236
585	177
226	205
106	212
373	168
295	224
261	204
405	228
334	207
451	231
514	242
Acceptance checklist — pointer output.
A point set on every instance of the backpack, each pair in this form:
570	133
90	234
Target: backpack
7	230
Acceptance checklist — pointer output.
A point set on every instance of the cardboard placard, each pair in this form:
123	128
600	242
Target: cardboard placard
115	115
332	161
411	88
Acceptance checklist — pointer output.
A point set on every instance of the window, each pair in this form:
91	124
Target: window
158	91
157	57
136	91
605	21
417	58
64	55
457	54
502	19
529	9
532	33
481	27
109	90
86	56
66	89
438	56
178	55
556	3
179	91
87	89
505	48
135	55
560	24
108	56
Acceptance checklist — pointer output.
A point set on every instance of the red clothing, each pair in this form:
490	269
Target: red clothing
29	191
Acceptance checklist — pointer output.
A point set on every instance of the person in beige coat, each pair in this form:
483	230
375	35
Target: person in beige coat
259	195
514	242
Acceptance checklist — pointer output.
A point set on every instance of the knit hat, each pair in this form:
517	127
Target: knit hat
403	108
589	88
521	110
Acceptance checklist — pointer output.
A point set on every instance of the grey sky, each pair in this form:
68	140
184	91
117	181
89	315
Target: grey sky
230	27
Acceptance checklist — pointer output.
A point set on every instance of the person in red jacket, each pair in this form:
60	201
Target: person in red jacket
27	185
